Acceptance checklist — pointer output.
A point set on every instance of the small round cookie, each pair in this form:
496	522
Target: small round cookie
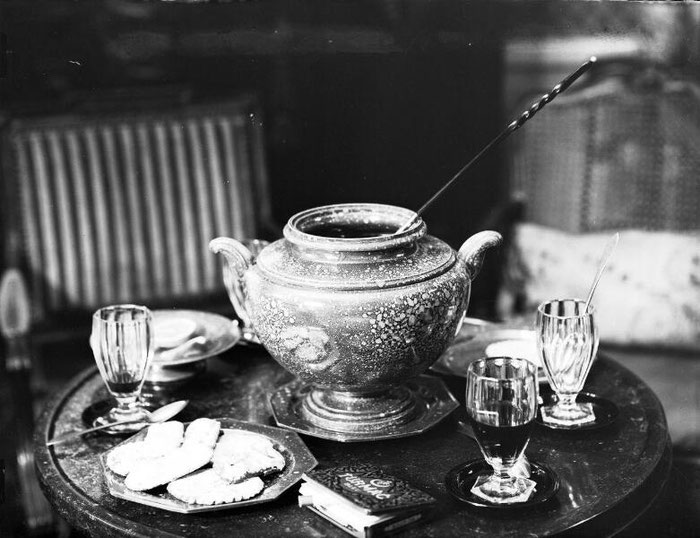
202	431
160	439
164	436
122	458
206	487
177	463
240	455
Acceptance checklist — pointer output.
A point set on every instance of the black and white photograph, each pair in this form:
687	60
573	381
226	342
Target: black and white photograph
330	268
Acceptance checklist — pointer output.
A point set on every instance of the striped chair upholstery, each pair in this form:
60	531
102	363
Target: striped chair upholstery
121	207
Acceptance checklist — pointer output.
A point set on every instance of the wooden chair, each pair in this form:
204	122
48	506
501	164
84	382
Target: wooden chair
618	153
119	207
614	154
118	204
617	150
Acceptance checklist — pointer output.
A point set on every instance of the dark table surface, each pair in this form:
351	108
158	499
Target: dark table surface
608	477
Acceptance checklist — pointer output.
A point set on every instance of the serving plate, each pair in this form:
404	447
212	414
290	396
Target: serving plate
605	411
298	460
460	479
478	339
220	334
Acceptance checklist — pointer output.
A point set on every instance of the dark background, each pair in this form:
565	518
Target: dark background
377	101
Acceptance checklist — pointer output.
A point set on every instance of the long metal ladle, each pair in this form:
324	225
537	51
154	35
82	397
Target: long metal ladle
513	126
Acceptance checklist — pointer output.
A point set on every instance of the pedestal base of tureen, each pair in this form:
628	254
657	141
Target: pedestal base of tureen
399	411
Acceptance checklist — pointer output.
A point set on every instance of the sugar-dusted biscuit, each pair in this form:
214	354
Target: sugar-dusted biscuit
241	455
165	435
160	439
206	487
203	431
150	473
122	458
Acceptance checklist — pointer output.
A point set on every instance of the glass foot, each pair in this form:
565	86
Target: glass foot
578	413
137	420
495	491
521	468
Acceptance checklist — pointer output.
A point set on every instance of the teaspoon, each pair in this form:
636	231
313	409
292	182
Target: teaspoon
607	253
159	415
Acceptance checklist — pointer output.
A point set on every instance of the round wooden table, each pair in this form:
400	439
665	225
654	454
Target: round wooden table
608	477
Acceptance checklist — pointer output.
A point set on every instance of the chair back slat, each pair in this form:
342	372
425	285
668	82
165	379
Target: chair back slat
31	225
187	207
168	194
203	196
121	245
122	208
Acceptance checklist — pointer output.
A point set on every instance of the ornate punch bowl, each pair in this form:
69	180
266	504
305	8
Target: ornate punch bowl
351	307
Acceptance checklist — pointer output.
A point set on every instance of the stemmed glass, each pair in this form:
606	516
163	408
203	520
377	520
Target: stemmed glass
501	404
122	342
567	338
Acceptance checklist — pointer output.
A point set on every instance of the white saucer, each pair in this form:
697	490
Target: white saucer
171	330
218	333
521	348
484	339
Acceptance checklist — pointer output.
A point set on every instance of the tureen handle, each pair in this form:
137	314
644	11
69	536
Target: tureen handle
238	260
473	249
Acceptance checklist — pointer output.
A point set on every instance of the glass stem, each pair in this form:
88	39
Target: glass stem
502	474
567	401
126	406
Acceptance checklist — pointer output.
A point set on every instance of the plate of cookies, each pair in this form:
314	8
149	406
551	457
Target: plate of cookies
186	336
205	465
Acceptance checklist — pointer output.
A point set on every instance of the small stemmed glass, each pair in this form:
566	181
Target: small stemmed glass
567	338
501	401
122	343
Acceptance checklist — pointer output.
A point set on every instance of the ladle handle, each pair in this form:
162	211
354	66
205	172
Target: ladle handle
549	96
513	126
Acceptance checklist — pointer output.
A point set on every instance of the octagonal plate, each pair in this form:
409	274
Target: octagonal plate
297	457
432	398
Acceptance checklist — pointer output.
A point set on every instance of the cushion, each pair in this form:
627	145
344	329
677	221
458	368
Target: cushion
648	295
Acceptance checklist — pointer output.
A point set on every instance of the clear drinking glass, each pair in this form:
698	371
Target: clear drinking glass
122	342
502	405
567	338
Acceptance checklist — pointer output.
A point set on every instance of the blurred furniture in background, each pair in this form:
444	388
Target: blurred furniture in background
21	487
116	202
618	153
119	206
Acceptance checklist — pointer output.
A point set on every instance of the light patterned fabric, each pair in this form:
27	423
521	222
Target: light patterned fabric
649	294
121	208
